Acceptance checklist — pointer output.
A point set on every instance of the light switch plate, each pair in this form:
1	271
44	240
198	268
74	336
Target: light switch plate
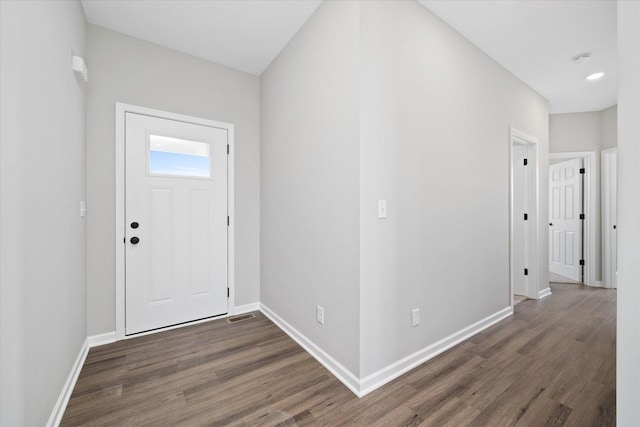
83	209
415	317
320	315
382	209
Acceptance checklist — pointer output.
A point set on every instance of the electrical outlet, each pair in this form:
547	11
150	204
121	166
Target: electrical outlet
415	317
320	315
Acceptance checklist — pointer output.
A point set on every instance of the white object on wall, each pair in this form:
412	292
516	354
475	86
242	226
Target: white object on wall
382	209
80	69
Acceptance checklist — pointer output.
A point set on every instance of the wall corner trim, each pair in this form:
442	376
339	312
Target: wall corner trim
63	399
336	368
383	376
544	293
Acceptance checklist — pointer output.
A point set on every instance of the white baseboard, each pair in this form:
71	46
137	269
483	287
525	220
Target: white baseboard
544	293
359	387
381	377
67	389
597	284
246	308
336	368
102	339
366	385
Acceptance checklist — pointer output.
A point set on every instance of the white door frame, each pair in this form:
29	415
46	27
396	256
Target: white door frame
608	269
533	287
121	110
589	203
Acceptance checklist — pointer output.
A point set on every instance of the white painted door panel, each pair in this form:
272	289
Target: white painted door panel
176	190
565	207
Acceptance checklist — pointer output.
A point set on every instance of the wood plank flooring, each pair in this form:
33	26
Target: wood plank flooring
551	364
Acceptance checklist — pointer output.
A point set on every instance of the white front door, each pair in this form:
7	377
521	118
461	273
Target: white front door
565	207
175	221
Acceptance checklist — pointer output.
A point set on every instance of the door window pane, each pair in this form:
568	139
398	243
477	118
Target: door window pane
181	157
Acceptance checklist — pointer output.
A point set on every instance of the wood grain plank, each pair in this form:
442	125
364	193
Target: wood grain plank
551	364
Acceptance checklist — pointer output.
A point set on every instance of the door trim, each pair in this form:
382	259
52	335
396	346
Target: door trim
589	203
533	287
121	109
607	223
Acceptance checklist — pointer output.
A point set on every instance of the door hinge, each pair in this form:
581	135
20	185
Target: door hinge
525	162
526	271
228	293
582	171
227	149
526	217
581	262
228	221
581	216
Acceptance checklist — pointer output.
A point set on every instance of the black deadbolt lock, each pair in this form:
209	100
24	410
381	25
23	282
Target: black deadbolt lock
134	240
134	225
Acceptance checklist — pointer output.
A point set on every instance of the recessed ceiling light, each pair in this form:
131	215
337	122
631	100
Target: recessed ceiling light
581	59
595	76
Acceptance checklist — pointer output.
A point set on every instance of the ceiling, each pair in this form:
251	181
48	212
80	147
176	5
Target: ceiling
246	35
535	39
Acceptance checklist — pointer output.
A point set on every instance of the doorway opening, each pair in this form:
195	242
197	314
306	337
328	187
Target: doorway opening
523	217
573	218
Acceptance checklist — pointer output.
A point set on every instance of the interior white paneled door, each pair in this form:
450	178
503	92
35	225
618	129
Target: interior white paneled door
176	222
610	217
565	207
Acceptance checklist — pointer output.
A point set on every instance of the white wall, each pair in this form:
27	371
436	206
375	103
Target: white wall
309	187
628	340
42	180
435	117
591	131
129	70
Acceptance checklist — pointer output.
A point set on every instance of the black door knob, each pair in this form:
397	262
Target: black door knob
134	240
134	225
614	227
551	224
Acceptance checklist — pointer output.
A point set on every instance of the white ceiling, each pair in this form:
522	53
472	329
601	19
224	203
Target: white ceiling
536	40
246	35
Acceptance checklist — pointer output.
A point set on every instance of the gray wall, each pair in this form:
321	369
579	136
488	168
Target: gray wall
435	116
125	69
609	128
309	181
592	131
380	100
628	342
42	180
574	132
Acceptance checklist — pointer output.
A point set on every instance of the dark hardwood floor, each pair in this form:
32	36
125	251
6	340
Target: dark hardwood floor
551	364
